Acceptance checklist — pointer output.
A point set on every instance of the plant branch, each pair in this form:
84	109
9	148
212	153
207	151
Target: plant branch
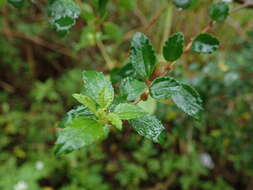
169	67
109	62
38	41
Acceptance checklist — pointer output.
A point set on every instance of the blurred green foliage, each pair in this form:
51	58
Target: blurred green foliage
39	70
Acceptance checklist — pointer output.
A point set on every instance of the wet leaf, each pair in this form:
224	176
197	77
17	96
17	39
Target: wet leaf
205	43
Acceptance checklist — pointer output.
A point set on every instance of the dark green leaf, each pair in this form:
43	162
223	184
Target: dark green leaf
118	74
128	111
63	14
150	127
131	88
182	3
173	47
183	95
219	11
81	131
16	3
205	43
76	112
142	56
98	88
102	4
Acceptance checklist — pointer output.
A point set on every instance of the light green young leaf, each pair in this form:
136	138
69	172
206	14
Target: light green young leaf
98	88
183	95
219	11
131	88
16	3
142	56
149	105
184	4
173	47
80	132
128	111
205	43
75	112
63	14
115	120
150	127
86	101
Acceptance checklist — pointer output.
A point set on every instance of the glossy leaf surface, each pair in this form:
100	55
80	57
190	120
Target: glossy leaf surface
150	127
182	3
173	47
205	43
131	88
80	132
183	95
73	113
142	56
63	14
128	111
98	88
219	11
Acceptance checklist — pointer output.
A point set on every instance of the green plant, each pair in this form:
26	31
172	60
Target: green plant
102	109
147	76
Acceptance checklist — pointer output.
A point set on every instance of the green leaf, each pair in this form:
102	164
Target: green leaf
102	4
73	113
188	100
113	31
131	88
118	74
98	88
129	4
142	56
164	87
205	43
219	11
184	4
63	14
150	127
115	120
81	131
16	3
149	105
173	47
128	111
183	95
86	101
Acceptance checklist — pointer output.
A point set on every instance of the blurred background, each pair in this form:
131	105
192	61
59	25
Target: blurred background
39	71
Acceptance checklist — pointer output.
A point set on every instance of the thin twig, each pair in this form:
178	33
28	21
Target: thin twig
109	62
154	19
247	4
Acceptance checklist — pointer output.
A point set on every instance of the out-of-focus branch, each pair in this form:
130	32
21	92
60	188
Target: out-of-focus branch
245	4
39	41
